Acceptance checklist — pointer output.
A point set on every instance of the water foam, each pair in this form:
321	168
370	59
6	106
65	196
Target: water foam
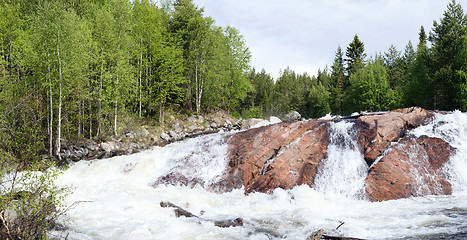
344	171
452	128
116	200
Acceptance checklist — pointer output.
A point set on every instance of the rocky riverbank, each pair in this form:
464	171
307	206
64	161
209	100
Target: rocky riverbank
145	137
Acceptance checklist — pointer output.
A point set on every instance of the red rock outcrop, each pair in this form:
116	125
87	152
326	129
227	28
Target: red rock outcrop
412	167
390	127
278	156
288	154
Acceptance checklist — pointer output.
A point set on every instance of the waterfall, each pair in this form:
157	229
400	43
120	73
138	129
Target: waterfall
452	128
343	173
201	161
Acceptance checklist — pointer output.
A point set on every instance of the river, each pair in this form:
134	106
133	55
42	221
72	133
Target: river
115	198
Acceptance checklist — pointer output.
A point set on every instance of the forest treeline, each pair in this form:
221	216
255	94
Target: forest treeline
79	69
74	69
432	75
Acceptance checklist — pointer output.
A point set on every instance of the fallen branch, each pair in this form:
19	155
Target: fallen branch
342	223
182	212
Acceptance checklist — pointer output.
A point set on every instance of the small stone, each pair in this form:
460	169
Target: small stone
176	127
91	146
227	123
144	132
274	120
165	137
200	119
106	147
213	125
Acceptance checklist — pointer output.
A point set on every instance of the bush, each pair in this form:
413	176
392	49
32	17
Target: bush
29	202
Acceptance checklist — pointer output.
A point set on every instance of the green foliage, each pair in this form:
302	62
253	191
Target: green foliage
30	202
262	94
369	90
253	112
418	91
338	83
318	101
355	55
447	39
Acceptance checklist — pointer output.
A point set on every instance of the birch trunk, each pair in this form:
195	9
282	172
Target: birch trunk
99	104
59	120
51	109
140	73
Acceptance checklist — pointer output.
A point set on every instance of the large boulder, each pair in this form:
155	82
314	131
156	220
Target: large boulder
249	123
293	116
282	155
412	167
390	127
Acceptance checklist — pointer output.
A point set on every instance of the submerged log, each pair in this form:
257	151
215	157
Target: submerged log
238	222
339	238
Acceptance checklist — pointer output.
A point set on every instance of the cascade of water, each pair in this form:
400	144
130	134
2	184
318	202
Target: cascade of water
452	128
202	159
344	171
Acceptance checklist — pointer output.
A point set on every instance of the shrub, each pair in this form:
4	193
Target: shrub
29	203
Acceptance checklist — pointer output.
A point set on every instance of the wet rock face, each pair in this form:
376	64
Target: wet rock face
413	167
390	127
282	155
288	154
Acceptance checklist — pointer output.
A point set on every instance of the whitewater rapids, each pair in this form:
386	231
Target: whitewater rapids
114	198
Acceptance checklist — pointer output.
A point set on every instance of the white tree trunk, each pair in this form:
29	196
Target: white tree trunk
51	109
115	110
99	104
59	120
140	73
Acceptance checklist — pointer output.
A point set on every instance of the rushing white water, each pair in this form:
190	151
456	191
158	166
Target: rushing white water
114	198
344	171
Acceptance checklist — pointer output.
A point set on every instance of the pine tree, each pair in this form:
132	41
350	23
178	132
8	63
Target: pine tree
422	38
355	54
395	67
337	82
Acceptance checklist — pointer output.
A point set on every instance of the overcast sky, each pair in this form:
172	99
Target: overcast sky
304	34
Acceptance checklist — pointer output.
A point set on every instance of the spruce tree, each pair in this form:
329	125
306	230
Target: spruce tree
355	54
447	38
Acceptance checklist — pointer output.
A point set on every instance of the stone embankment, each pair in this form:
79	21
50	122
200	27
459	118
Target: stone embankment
146	137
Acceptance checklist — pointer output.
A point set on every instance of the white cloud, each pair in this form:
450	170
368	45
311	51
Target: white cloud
304	34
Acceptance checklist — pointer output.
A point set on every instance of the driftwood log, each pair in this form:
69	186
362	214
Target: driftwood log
320	235
238	222
339	238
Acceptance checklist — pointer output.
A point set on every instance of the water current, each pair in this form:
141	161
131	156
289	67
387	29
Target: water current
114	198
